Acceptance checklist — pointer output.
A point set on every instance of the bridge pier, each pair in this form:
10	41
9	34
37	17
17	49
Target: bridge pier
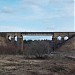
12	39
54	39
20	42
62	39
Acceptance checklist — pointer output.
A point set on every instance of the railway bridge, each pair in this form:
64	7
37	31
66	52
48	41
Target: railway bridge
20	35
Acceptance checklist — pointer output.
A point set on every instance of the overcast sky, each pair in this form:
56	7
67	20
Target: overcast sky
36	15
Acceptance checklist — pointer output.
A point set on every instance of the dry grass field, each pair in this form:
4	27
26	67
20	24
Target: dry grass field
61	63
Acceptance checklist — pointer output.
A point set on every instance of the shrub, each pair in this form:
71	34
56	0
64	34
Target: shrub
8	49
37	48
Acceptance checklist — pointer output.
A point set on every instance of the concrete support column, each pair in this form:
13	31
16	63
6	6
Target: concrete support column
20	42
12	39
54	39
68	35
62	38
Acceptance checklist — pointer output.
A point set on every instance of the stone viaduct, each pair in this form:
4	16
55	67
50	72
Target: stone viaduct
20	35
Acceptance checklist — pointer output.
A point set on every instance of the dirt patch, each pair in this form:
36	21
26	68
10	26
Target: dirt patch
17	65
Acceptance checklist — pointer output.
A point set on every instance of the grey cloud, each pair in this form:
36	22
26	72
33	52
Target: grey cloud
6	10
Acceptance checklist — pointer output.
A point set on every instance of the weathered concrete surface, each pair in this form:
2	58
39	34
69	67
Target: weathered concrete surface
4	36
68	45
3	41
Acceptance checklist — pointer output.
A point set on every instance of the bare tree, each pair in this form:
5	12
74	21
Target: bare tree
38	48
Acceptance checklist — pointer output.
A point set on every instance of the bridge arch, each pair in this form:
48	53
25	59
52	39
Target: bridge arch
59	38
66	38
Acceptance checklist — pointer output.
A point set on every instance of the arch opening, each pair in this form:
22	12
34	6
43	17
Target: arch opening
66	38
37	38
15	38
9	37
59	38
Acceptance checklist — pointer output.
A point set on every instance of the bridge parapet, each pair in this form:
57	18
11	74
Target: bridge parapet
62	34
